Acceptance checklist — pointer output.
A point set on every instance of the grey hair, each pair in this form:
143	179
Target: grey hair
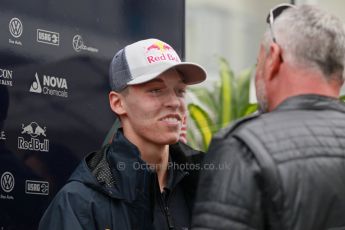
311	38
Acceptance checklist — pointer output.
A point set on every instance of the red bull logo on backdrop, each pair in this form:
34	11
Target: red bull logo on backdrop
160	51
34	143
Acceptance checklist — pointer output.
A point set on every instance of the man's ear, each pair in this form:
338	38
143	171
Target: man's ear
274	60
116	101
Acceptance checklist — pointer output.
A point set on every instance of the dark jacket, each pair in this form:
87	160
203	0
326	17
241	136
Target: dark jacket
109	190
286	170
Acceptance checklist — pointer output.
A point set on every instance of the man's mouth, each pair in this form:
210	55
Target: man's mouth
172	118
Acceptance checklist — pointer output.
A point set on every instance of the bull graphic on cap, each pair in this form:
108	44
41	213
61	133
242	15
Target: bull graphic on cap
159	46
34	130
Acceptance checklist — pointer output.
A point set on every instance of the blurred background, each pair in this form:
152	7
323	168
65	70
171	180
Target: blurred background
224	36
232	29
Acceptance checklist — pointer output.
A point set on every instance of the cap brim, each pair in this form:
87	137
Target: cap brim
191	74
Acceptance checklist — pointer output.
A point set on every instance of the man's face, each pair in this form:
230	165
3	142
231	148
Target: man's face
260	84
155	110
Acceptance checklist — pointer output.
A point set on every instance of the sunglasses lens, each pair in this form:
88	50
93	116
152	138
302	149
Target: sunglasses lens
276	12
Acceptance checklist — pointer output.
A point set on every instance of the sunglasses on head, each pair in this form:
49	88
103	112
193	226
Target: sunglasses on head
274	13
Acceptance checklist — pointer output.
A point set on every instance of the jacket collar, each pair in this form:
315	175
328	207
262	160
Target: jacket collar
129	178
311	102
132	177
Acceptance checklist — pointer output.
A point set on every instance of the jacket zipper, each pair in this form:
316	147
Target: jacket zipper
167	210
164	206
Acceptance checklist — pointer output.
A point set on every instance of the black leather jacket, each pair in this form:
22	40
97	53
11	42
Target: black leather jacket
287	170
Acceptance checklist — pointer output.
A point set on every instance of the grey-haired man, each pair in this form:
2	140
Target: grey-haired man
129	184
287	163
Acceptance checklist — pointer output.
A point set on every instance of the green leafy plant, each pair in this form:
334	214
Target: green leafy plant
227	101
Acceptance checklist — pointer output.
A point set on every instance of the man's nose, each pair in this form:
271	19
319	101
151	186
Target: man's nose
173	100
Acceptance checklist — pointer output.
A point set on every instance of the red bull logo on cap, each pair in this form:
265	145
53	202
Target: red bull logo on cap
160	46
160	51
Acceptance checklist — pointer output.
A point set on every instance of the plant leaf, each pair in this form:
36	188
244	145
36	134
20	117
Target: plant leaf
342	98
205	96
202	122
225	94
191	139
251	108
242	90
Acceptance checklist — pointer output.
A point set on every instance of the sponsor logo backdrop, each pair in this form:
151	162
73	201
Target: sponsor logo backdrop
54	89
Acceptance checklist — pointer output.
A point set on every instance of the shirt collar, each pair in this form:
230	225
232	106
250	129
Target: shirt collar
311	102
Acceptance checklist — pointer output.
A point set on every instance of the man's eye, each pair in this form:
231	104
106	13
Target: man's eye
181	92
155	90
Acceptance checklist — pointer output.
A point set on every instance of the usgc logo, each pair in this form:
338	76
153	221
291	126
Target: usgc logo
54	86
7	182
34	131
37	187
78	45
16	27
161	52
48	37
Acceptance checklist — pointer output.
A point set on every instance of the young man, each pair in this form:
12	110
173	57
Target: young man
139	181
287	163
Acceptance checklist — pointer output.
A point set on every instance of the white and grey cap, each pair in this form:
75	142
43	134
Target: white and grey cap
145	60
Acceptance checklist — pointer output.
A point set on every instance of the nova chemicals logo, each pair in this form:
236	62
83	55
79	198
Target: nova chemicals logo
48	37
34	130
54	86
7	182
15	27
78	45
36	85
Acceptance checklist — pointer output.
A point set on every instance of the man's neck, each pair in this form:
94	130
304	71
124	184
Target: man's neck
156	155
301	81
158	158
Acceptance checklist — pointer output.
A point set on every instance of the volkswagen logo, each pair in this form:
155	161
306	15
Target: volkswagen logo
78	42
7	181
16	27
